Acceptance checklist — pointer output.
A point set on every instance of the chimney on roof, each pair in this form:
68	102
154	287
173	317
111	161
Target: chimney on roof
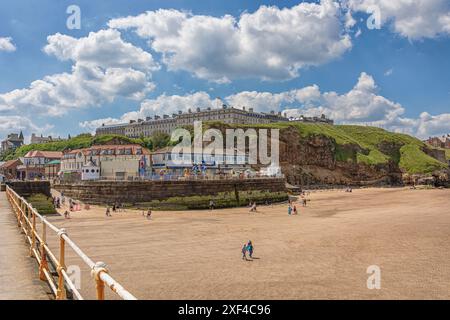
148	118
189	110
180	112
140	120
157	117
132	121
250	109
209	108
198	109
224	106
165	116
272	112
243	108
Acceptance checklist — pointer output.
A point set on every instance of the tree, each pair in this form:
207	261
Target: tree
160	140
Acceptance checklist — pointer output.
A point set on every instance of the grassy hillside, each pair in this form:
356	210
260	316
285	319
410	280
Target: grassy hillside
447	153
408	155
367	141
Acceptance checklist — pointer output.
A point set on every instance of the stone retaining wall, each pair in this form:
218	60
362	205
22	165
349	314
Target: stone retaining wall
27	188
107	192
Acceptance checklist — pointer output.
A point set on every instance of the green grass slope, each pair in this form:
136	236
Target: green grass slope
409	157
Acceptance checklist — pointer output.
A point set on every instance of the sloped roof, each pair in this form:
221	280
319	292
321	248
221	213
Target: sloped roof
44	154
10	163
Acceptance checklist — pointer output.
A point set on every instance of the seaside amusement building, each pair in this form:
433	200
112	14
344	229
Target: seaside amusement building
118	162
226	114
165	162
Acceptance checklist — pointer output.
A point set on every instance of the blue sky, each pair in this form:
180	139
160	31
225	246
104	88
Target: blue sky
387	77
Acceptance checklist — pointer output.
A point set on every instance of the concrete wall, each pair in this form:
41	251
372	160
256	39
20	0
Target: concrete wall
27	188
107	192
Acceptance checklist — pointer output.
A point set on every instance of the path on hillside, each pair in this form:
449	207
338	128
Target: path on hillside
18	272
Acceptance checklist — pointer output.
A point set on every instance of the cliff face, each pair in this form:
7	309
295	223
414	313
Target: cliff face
318	159
313	160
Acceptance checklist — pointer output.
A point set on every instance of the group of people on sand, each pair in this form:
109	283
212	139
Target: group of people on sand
292	209
116	207
248	247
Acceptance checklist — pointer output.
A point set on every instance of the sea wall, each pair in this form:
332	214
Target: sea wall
28	188
135	192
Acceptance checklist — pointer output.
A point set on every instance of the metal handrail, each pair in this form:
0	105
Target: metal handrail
26	217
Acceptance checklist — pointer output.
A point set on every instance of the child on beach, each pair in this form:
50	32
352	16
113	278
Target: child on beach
244	252
108	212
295	210
289	210
250	249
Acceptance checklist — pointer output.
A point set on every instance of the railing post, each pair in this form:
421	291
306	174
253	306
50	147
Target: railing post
23	215
19	212
43	266
100	285
33	233
61	292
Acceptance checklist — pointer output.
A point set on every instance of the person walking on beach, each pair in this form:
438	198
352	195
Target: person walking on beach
211	205
295	210
149	214
244	252
253	208
289	209
67	214
108	212
304	202
250	249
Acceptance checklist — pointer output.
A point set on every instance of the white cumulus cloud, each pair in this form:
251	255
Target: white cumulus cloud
105	67
413	19
270	43
7	45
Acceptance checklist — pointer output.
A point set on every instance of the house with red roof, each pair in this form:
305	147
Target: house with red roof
9	169
35	162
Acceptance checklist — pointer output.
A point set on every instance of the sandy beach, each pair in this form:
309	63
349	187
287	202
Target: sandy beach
321	253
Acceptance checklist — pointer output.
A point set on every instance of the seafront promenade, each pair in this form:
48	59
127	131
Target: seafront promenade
18	276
